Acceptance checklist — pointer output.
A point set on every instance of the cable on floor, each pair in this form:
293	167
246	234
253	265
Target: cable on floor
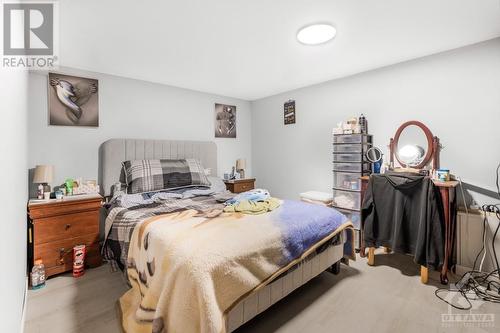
475	284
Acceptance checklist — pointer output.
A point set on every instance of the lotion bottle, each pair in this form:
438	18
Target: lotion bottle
39	192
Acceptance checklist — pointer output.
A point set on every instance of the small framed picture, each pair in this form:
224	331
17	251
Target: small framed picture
289	112
225	121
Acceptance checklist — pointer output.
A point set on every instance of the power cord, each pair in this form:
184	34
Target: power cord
475	284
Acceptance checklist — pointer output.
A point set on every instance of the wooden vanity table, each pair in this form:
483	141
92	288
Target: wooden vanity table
447	192
448	199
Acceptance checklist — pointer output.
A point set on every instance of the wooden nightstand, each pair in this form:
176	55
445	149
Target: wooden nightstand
240	185
56	226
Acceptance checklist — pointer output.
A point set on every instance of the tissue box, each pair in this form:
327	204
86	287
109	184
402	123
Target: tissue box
86	188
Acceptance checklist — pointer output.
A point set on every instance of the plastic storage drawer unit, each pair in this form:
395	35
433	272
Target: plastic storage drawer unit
350	138
347	181
347	199
350	148
351	167
353	216
347	158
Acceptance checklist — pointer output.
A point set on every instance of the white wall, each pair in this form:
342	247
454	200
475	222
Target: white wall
13	168
456	94
130	109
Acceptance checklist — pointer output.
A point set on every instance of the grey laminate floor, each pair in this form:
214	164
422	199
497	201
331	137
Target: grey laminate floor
385	298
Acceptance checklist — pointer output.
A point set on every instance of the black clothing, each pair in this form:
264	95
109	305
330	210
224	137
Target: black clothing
402	211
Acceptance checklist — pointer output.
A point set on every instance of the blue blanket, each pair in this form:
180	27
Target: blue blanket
304	224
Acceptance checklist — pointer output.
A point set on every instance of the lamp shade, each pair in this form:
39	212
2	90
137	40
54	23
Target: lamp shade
43	174
241	164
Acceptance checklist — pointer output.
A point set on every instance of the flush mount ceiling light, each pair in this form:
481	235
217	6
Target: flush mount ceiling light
316	34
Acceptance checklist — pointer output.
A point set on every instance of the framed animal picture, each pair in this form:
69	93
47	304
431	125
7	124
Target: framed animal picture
73	100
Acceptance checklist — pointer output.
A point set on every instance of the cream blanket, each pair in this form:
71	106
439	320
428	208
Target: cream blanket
188	269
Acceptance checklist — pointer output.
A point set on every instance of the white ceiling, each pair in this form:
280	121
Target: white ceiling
248	49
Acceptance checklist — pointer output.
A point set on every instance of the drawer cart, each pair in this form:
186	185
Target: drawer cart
349	165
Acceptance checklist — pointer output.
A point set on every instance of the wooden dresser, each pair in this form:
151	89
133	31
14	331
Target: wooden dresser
240	185
56	226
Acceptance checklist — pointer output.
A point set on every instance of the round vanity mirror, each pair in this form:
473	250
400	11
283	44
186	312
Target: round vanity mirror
374	154
413	145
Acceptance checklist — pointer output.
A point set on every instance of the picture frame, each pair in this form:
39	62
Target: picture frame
73	100
225	121
289	112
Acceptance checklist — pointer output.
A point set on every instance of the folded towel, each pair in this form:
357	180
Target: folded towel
317	196
316	202
253	207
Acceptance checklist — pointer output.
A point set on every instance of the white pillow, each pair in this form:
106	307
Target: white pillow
217	185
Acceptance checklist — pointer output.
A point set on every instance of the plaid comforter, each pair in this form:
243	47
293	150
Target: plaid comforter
121	222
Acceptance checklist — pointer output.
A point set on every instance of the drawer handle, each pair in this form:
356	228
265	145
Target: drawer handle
67	226
62	252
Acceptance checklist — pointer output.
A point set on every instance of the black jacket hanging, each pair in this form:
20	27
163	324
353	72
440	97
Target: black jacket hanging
402	211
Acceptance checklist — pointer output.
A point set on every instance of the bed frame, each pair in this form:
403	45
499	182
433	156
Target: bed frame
294	278
113	152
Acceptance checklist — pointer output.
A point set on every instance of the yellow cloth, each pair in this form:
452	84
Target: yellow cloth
253	207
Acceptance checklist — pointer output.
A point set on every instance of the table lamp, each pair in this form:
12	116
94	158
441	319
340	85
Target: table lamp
240	167
43	176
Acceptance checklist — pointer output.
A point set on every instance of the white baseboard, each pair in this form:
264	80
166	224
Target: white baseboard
25	303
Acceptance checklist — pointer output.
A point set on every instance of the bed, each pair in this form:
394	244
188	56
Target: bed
246	288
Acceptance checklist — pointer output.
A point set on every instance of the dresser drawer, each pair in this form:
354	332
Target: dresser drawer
349	148
243	187
351	167
60	253
92	259
353	216
347	181
347	199
350	138
66	226
348	157
64	207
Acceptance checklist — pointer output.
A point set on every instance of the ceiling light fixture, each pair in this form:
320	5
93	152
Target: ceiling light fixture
316	34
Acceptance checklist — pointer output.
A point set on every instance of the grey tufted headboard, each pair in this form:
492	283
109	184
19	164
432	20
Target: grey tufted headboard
114	151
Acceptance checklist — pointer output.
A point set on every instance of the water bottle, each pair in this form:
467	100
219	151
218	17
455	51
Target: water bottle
363	124
38	275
